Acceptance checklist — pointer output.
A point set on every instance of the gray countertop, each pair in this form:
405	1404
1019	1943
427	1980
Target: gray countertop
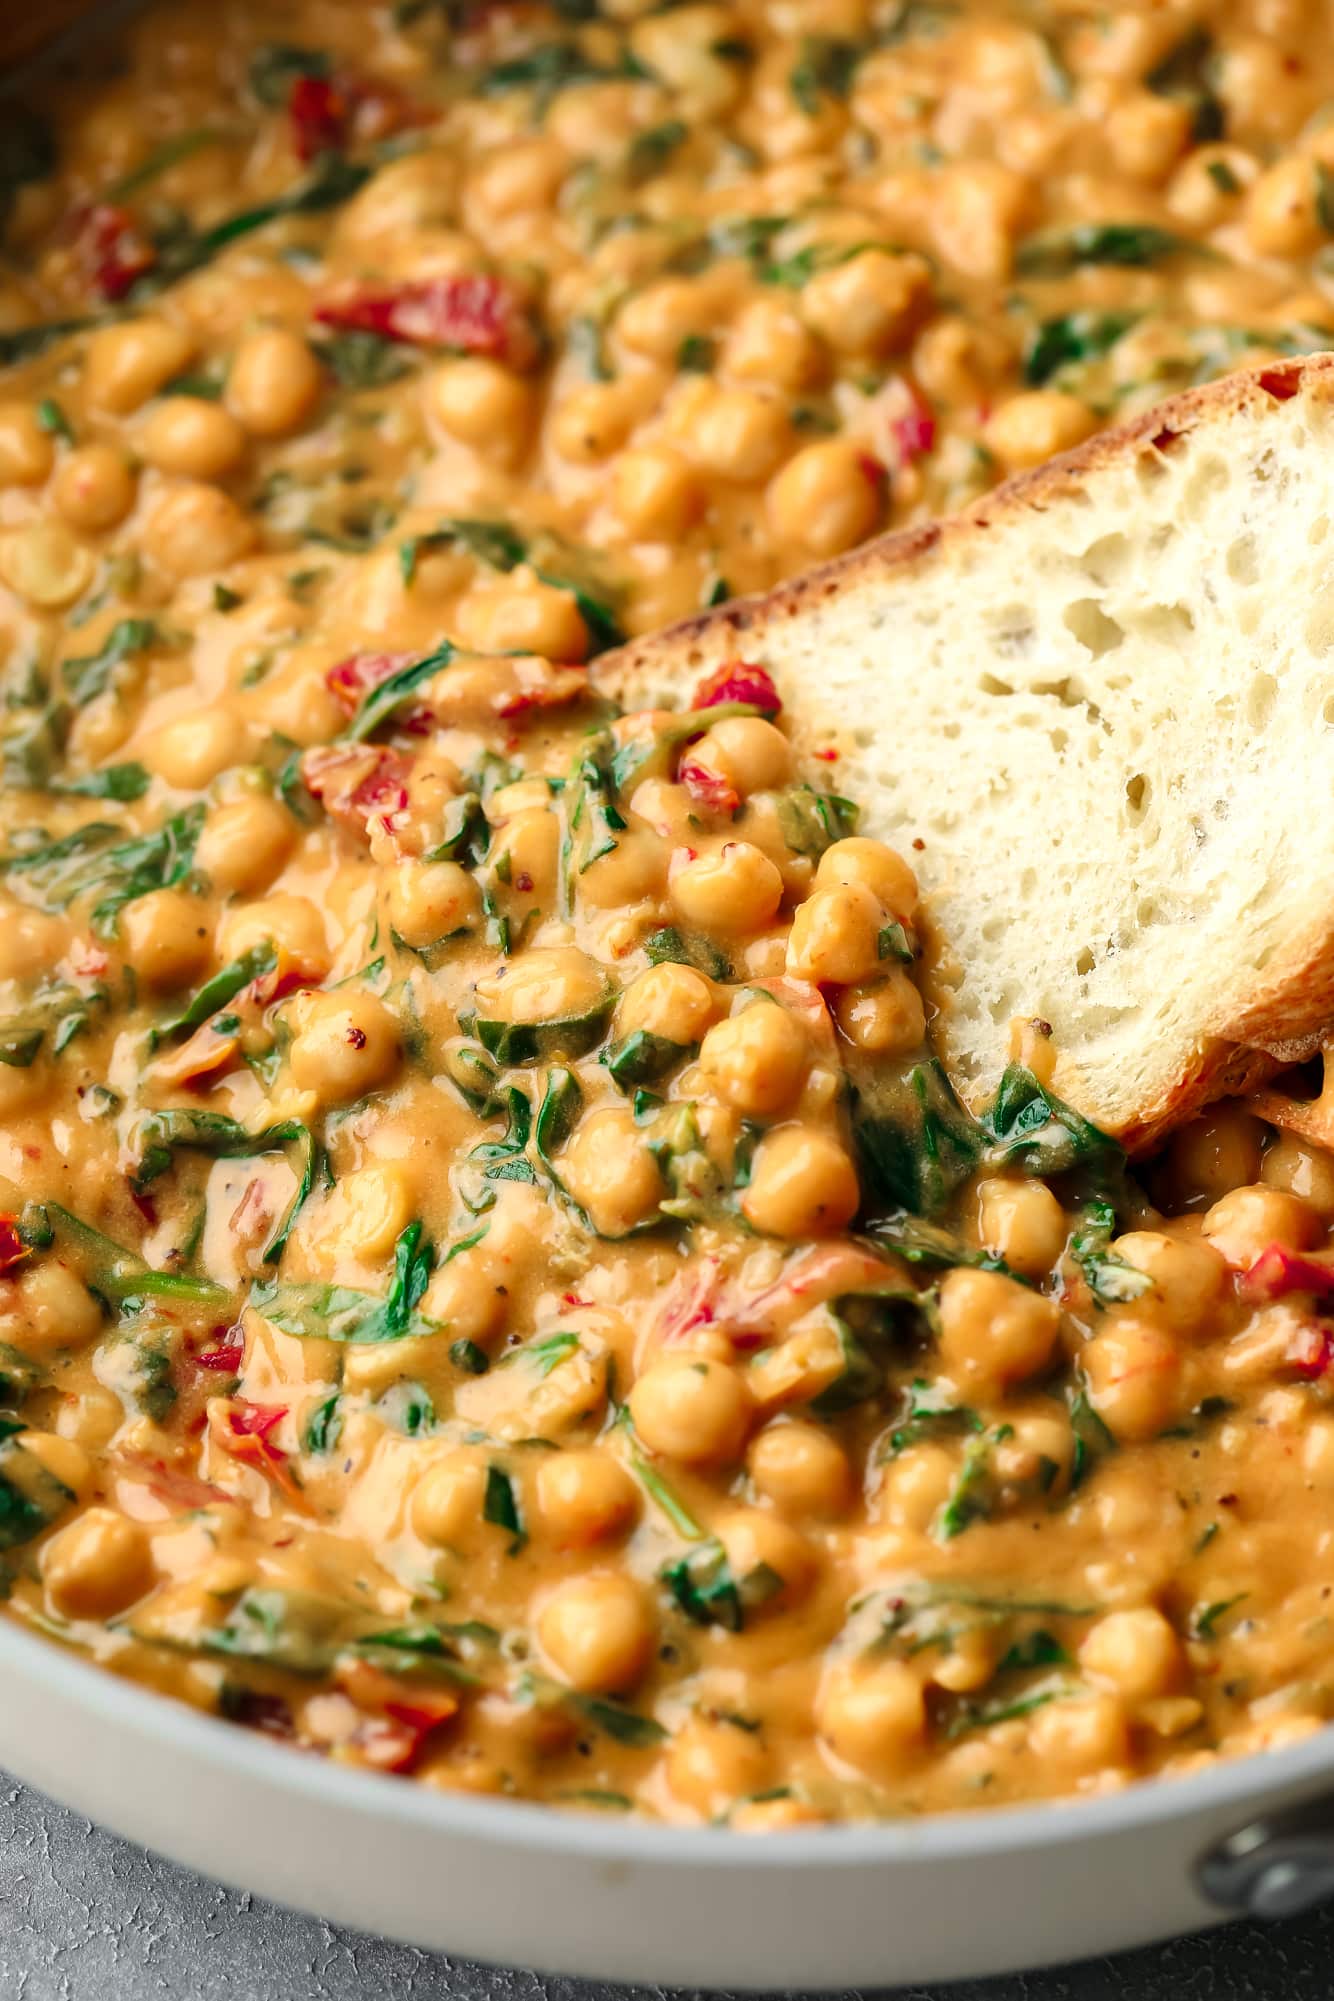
86	1917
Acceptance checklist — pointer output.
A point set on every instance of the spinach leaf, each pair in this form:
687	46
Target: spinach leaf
652	149
825	67
1109	1278
549	68
19	1376
506	1159
91	860
644	1058
670	946
331	181
91	674
515	1043
116	1275
363	360
973	1715
558	1114
918	1242
169	154
593	820
1079	336
157	1136
276	66
23	343
500	1506
216	992
1033	1128
59	1010
812	821
31	1498
1054	253
973	1494
1187	73
315	1312
122	782
859	1379
703	1586
379	703
1092	1438
916	1143
324	1426
932	1412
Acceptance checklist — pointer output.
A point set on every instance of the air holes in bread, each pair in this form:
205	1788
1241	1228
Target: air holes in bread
1090	625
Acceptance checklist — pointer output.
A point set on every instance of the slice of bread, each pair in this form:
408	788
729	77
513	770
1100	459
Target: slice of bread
1096	711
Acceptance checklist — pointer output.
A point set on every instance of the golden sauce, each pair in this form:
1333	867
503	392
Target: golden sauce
495	1287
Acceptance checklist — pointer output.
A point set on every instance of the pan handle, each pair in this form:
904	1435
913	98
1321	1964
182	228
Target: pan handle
1273	1868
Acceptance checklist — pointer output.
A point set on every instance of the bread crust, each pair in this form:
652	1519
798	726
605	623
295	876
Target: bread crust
1291	1011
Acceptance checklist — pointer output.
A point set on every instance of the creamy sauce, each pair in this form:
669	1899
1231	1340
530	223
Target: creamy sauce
494	1285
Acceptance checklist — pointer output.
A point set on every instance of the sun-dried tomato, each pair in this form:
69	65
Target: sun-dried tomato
738	681
473	312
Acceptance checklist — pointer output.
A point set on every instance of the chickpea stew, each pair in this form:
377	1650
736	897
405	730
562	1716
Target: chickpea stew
496	1286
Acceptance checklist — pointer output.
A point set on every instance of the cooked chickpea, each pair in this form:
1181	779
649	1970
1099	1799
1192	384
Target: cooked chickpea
1186	1275
657	319
655	493
735	888
94	488
521	175
746	752
167	938
738	434
274	383
1021	1222
56	1309
693	1410
45	565
597	1632
591	422
31	941
196	528
1081	1736
26	451
1136	1651
585	1497
1300	1169
802	1184
447	1501
869	304
994	1332
194	748
348	1043
1246	1221
64	1459
1214	1153
769	344
631	871
482	404
672	1001
611	1173
1281	215
192	437
801	1468
872	1716
1036	425
1147	133
887	1018
97	1565
835	936
125	364
291	923
1134	1377
519	617
428	901
548	984
757	1060
878	868
244	843
713	1761
368	1210
762	1547
825	499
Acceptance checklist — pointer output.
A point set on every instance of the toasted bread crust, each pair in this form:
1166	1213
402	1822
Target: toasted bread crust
1291	1011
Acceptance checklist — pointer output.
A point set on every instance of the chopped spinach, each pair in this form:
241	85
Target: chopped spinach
812	821
687	948
500	1506
225	984
316	1312
363	360
915	1142
1072	337
973	1494
1054	253
825	67
1188	73
1109	1278
380	703
91	674
156	1137
643	1058
703	1586
31	1498
931	1412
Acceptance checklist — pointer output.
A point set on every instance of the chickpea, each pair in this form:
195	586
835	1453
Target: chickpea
801	1468
959	362
274	383
94	488
192	437
597	1632
97	1565
823	501
657	319
1081	1736
979	210
428	901
768	344
735	888
26	451
611	1173
1186	1276
1209	183
688	1408
802	1184
125	364
1301	1169
870	304
548	984
738	434
1136	1651
31	941
633	870
592	422
757	1540
1281	215
887	875
756	1061
872	1716
746	752
196	746
56	1309
835	936
166	938
447	1501
44	564
1146	134
672	1001
519	617
1021	1222
519	177
585	1497
1214	1153
655	493
712	1762
368	1210
1134	1377
196	528
887	1018
348	1043
244	843
1036	425
915	1486
1247	1220
773	1816
994	1332
64	1459
482	404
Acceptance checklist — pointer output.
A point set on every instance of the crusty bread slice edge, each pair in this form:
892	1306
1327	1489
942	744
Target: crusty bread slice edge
1291	1010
